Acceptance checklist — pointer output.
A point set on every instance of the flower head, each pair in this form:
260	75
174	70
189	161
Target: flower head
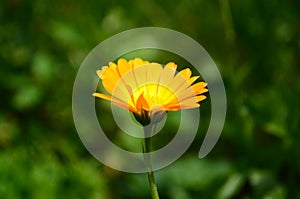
149	90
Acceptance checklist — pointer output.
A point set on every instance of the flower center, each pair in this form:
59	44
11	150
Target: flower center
152	97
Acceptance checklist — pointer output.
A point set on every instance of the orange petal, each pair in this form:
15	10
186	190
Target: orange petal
173	107
142	103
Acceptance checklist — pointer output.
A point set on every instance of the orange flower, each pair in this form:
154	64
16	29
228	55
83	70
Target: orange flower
149	89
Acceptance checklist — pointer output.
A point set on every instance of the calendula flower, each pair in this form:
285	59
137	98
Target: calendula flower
149	90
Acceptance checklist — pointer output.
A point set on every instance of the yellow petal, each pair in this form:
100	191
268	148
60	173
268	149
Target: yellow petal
199	88
185	93
123	66
122	92
112	65
171	65
200	98
115	101
100	72
167	75
179	82
188	103
109	78
186	73
103	96
141	75
167	81
192	91
139	62
153	77
175	107
108	85
193	79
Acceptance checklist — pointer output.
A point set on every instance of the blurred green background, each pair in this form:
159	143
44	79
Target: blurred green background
256	46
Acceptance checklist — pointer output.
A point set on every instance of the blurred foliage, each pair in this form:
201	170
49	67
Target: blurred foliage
256	46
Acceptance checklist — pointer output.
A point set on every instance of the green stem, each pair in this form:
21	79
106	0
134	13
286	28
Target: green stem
147	148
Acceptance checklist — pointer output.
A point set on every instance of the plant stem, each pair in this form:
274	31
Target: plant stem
147	148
